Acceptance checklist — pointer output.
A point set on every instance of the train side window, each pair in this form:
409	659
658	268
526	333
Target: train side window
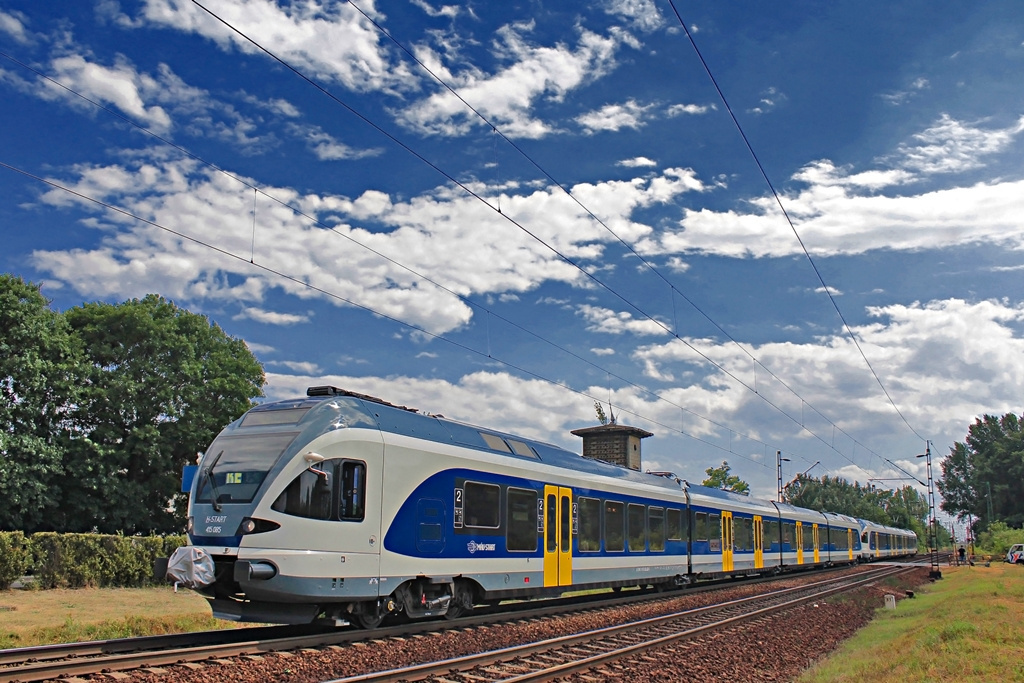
614	523
714	527
769	534
656	529
482	505
550	523
565	535
637	522
789	534
674	524
352	493
521	533
808	537
588	540
744	533
700	527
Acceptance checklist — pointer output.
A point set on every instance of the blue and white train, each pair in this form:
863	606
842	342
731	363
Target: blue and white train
344	507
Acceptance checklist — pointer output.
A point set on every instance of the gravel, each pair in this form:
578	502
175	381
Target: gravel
776	648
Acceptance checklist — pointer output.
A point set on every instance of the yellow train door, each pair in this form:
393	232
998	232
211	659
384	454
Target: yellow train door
849	543
817	557
727	560
799	543
758	543
557	536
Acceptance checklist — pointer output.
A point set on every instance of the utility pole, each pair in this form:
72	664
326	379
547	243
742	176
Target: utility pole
935	573
778	466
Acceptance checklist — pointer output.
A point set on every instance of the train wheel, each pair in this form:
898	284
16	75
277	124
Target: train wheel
369	620
462	600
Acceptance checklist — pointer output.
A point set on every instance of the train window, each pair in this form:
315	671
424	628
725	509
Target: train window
551	523
235	466
700	527
769	534
614	522
744	534
495	442
714	530
637	521
808	537
336	491
674	524
263	418
589	538
521	533
352	490
481	505
656	529
789	534
565	511
520	448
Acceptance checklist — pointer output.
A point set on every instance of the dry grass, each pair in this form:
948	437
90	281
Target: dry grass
30	617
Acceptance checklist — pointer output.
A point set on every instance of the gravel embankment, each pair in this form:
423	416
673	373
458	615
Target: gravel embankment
772	649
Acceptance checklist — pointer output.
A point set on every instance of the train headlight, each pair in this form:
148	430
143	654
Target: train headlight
251	525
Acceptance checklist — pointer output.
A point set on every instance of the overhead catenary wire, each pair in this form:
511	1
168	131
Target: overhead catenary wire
650	266
257	191
778	200
586	273
304	283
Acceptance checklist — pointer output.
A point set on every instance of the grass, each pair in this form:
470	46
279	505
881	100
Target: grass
29	617
967	627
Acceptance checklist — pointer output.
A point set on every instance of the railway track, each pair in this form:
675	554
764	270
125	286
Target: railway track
78	659
558	658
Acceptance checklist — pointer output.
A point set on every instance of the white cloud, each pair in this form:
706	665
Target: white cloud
840	212
421	233
680	109
608	321
119	85
637	162
271	317
13	24
507	97
450	11
258	348
326	147
641	14
614	117
325	41
301	367
951	146
770	99
603	352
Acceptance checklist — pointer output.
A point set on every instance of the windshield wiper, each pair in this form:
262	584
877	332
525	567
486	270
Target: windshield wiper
213	483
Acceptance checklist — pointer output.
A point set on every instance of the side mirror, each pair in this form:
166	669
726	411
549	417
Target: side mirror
315	459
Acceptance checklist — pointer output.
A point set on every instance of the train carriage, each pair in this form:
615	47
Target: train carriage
346	507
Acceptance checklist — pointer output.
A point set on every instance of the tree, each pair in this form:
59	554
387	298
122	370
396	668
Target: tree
986	472
161	383
905	507
719	478
39	369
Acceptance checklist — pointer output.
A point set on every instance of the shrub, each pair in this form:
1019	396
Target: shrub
14	557
101	561
998	538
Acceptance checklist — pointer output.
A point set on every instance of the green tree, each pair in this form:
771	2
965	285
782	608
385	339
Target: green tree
719	478
161	383
986	472
905	507
39	369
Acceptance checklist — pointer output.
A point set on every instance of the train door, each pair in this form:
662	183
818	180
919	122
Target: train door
558	531
849	543
799	543
758	542
727	559
817	545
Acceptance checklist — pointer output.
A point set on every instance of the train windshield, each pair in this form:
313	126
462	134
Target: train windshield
235	467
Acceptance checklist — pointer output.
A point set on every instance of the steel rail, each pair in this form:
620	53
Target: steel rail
736	611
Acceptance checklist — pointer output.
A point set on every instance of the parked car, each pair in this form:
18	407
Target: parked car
1016	554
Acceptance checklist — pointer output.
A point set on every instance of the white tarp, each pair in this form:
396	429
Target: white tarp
190	566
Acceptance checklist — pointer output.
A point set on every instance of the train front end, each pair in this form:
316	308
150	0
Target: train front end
284	514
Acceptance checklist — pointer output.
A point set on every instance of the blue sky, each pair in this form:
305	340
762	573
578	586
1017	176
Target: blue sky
337	206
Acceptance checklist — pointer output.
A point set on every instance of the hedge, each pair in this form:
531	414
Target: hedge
82	560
